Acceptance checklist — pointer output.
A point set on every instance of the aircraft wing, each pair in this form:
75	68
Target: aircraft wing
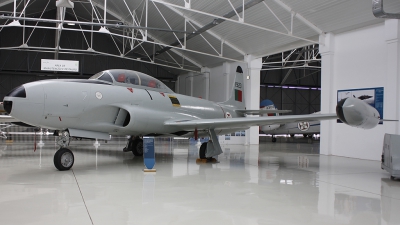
8	119
262	111
226	123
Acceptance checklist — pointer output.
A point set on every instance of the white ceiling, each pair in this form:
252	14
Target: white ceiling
239	38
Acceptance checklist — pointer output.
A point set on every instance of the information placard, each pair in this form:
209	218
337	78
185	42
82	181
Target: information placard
60	65
148	152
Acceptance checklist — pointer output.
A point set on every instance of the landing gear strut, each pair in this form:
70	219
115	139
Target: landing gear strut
135	144
63	138
211	148
64	158
273	138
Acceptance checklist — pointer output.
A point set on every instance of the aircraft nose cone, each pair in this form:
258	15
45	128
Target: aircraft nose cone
25	103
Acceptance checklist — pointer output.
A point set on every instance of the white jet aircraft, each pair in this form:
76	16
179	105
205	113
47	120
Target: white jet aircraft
307	128
124	102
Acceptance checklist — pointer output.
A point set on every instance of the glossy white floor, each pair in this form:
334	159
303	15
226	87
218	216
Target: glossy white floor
274	183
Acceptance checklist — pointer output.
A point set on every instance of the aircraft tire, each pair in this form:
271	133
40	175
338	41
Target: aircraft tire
305	135
131	142
274	139
203	150
64	159
291	135
137	147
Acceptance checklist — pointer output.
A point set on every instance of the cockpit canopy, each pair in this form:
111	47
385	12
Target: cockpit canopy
130	78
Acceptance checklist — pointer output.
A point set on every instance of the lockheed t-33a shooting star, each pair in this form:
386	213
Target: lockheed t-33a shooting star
124	102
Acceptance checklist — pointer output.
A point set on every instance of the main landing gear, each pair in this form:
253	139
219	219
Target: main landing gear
202	151
64	158
211	148
135	145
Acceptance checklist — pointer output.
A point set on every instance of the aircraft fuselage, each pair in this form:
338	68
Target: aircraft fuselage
101	107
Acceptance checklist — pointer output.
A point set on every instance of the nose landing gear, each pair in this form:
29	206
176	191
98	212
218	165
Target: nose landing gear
63	138
64	158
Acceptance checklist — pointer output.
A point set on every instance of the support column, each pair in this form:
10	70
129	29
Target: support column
328	92
391	111
206	82
191	79
227	69
252	94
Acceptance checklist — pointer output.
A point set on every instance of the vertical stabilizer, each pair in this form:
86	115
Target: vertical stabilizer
268	104
236	99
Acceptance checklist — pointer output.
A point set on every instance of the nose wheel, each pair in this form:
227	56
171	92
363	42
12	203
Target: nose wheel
63	159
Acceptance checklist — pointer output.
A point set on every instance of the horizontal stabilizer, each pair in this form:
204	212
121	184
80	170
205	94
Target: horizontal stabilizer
384	120
262	111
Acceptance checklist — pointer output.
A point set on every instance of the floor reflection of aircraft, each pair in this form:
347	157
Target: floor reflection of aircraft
124	102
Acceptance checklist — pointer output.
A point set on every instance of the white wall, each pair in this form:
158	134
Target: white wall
352	60
220	80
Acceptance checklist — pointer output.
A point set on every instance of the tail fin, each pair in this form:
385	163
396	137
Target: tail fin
237	99
267	104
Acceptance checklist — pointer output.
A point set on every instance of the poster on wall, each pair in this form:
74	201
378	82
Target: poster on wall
372	96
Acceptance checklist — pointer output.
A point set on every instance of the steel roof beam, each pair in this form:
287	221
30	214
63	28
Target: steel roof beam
219	19
210	25
194	62
90	24
299	16
290	70
234	47
6	3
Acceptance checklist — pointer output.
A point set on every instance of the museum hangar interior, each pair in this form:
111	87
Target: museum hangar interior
302	55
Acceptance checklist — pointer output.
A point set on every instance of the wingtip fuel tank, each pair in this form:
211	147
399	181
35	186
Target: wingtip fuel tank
357	113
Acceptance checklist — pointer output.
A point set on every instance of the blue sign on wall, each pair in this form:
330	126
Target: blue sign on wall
372	96
149	155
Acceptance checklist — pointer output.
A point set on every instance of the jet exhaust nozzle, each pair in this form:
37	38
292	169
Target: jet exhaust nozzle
357	113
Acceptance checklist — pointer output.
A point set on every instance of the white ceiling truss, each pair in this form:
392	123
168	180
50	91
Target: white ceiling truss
240	19
307	57
184	34
134	34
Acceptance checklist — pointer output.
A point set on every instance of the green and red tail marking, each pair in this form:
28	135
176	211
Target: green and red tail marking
238	95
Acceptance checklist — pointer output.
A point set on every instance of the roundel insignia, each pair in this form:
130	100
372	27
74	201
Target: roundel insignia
228	115
303	126
99	95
